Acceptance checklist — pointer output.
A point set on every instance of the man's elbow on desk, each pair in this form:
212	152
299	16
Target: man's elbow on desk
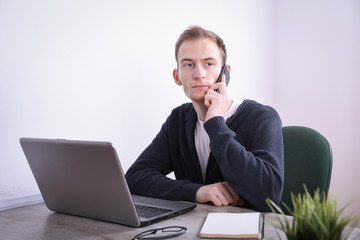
274	194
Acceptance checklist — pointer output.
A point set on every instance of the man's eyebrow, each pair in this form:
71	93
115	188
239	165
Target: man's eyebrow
186	60
209	58
204	59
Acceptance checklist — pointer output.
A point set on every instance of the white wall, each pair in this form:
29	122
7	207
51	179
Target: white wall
317	59
102	70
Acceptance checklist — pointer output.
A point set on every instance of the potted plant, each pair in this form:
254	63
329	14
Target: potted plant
314	218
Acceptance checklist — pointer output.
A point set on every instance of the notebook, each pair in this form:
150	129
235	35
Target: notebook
233	225
85	178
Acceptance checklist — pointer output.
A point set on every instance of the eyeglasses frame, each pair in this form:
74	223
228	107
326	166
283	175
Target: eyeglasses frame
142	235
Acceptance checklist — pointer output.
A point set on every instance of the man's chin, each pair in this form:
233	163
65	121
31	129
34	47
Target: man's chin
198	99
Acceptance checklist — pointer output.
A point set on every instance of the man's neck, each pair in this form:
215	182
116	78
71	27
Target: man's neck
200	109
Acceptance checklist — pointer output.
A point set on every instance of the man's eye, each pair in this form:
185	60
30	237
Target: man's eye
209	64
189	65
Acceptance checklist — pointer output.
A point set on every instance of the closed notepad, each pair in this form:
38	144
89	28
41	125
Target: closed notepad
233	225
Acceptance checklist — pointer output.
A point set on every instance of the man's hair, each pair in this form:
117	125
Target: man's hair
197	32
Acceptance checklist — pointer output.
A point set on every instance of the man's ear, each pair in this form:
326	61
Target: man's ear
176	77
228	67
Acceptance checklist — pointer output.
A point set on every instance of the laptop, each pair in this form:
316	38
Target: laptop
85	178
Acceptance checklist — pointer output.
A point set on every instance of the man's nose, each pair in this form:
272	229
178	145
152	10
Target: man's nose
199	72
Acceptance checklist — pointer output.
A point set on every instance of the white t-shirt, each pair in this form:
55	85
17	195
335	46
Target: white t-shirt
202	140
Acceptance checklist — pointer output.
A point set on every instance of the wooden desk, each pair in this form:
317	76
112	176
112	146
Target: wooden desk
37	222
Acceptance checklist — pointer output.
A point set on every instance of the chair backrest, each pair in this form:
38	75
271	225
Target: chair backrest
307	161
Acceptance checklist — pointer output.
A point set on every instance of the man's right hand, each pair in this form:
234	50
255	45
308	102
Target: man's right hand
220	194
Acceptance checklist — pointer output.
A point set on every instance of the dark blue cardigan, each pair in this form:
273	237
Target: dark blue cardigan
246	151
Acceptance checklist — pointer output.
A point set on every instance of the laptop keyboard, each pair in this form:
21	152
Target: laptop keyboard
149	212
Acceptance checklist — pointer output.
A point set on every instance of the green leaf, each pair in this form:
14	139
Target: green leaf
313	217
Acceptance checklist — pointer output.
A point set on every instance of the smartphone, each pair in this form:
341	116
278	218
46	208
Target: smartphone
224	70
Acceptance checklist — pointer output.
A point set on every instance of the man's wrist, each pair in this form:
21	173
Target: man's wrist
215	126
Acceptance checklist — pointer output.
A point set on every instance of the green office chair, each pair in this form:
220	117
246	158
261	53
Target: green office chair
307	160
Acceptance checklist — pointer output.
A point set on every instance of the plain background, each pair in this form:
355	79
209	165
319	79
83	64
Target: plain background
102	70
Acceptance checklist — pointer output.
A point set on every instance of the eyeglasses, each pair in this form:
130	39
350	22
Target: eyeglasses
161	233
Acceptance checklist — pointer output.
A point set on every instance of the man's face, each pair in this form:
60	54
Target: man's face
199	65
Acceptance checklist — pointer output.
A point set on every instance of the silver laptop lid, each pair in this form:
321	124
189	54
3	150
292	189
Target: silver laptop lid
81	178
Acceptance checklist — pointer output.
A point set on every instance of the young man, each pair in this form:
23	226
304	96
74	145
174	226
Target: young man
220	152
